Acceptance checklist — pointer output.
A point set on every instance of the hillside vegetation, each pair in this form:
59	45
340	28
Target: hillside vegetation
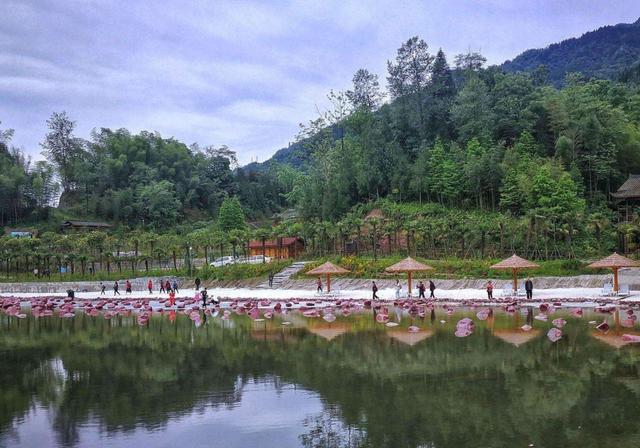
602	53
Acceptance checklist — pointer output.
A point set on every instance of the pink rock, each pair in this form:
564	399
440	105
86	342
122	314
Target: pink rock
329	317
632	338
554	334
559	322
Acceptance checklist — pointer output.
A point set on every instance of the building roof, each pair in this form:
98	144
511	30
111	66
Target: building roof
287	241
74	223
376	213
629	189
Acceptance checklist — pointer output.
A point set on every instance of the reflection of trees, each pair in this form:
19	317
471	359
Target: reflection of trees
443	392
327	430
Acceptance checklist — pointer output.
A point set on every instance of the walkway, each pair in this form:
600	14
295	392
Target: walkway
285	275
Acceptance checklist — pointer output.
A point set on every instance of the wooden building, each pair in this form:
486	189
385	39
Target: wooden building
288	247
628	197
84	226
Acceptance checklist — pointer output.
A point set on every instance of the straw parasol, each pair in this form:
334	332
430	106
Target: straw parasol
328	269
515	263
409	338
615	262
330	332
516	337
408	265
612	339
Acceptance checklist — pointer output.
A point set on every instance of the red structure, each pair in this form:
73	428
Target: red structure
287	247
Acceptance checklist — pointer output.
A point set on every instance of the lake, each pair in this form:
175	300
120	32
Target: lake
88	381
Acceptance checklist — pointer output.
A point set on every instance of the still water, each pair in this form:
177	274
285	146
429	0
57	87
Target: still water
91	382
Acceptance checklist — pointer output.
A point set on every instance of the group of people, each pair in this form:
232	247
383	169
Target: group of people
165	286
528	288
421	287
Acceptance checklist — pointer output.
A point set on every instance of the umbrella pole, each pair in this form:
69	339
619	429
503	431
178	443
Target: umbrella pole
328	282
409	288
615	280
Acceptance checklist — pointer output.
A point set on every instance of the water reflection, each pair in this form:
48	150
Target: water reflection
353	382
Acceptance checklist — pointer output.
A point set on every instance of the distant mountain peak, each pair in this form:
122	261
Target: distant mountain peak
601	53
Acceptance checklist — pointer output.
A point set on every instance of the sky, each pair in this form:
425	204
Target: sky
241	73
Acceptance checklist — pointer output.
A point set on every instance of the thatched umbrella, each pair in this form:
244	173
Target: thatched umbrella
615	262
515	263
408	265
329	332
612	339
516	337
410	338
328	269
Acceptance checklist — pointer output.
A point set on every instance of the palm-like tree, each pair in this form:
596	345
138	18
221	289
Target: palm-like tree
263	234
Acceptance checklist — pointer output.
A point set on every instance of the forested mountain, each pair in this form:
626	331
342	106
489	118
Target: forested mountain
465	137
602	53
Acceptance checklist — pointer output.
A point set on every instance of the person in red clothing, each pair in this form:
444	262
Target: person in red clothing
172	298
167	286
127	287
150	286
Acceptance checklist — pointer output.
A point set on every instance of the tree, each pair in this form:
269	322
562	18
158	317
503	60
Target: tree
366	94
231	216
62	148
470	62
471	113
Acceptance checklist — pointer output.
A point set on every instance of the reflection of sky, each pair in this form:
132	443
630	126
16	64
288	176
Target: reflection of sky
264	417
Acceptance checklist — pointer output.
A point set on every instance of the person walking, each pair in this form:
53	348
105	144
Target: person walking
319	285
102	289
271	279
172	298
421	290
167	286
204	295
197	283
162	286
127	287
150	286
374	289
528	287
116	286
175	286
489	287
432	288
398	289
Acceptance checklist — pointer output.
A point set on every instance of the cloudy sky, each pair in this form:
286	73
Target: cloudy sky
240	73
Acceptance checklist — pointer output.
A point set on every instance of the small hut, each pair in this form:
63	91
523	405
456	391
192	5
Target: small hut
328	269
515	263
614	262
408	265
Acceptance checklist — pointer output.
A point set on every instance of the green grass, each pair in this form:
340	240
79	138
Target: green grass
454	268
226	273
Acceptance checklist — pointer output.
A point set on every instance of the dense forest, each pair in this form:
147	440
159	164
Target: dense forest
602	53
517	162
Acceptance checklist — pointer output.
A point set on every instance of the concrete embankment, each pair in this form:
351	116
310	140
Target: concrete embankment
139	284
